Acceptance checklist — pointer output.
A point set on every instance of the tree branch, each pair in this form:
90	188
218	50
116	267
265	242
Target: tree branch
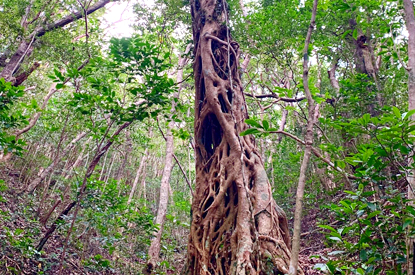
317	154
285	99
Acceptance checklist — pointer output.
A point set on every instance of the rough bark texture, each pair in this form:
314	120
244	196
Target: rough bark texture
410	26
237	228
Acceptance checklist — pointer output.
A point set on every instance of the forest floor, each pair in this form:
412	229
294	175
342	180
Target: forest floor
20	229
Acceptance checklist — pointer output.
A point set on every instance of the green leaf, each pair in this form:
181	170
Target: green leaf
407	222
337	239
346	33
363	255
355	34
265	124
396	112
253	122
249	131
409	114
360	271
327	227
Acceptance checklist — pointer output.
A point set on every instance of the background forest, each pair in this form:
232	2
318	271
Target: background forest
97	162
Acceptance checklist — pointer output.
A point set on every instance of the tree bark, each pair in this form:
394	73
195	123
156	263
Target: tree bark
282	124
154	250
137	177
410	26
308	139
236	228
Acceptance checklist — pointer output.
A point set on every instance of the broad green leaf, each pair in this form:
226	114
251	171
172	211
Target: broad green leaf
253	122
249	131
265	124
355	34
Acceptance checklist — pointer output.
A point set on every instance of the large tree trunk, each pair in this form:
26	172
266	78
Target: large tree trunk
237	228
410	25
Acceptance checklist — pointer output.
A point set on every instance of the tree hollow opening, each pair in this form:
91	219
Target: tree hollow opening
212	134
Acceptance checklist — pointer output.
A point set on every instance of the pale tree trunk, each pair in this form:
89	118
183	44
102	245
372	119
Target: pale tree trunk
127	151
137	177
165	188
78	160
282	124
58	199
110	169
49	169
410	26
143	188
121	169
154	250
101	176
237	228
247	58
308	139
332	76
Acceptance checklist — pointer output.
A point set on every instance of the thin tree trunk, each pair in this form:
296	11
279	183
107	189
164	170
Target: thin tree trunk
49	169
282	124
101	176
308	139
127	151
91	167
44	219
165	188
109	171
143	188
137	176
78	160
44	196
